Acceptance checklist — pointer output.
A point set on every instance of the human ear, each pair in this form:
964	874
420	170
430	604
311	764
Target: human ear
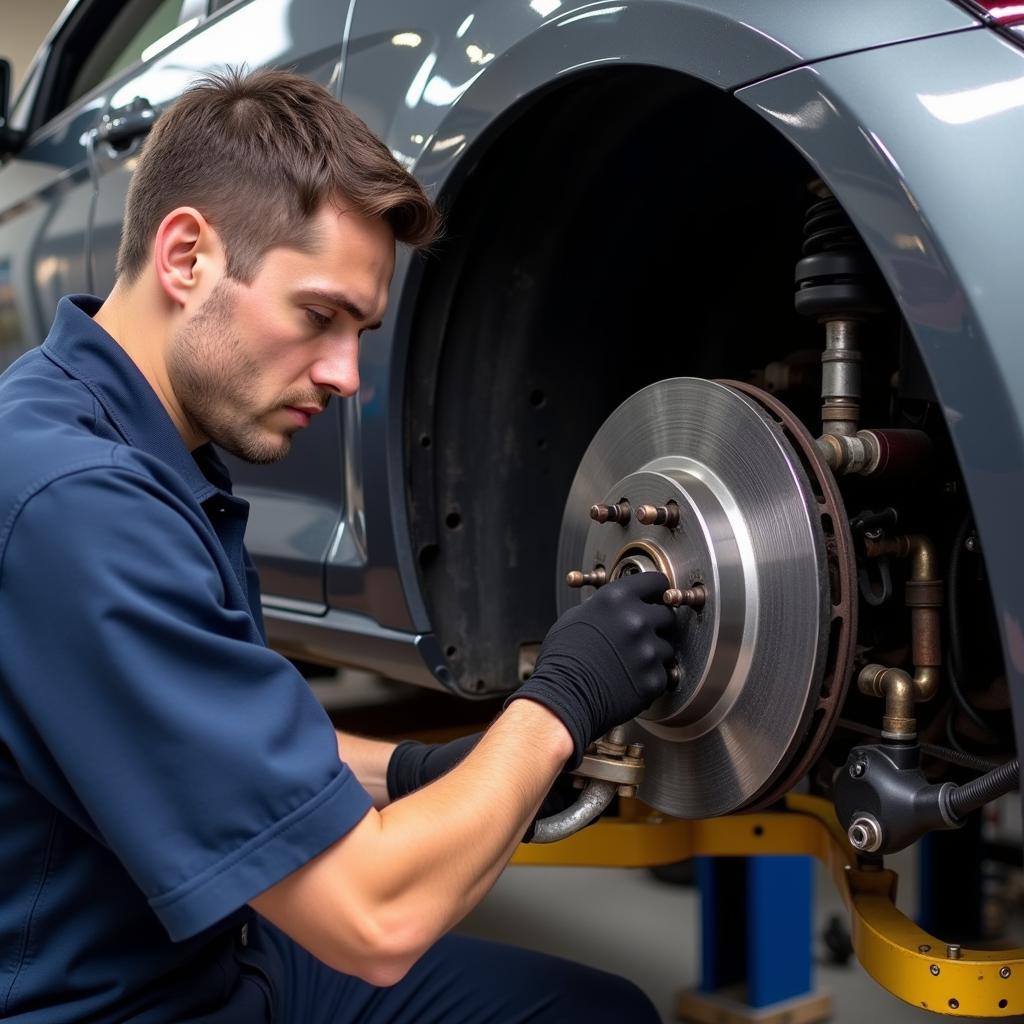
186	251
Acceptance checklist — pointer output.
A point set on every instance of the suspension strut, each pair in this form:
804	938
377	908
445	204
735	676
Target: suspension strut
838	284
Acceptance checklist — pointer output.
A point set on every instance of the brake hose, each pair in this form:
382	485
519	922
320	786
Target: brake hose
984	789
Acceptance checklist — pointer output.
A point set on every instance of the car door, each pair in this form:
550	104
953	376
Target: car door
295	513
47	186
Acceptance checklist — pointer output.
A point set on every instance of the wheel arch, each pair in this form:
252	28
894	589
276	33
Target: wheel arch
519	355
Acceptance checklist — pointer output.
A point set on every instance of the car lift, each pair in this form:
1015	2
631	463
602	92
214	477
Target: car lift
900	956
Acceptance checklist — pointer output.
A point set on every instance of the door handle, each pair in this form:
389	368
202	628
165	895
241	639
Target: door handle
127	124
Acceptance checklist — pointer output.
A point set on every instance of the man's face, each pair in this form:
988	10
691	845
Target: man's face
256	361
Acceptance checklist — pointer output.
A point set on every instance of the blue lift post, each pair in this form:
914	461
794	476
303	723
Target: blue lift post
757	942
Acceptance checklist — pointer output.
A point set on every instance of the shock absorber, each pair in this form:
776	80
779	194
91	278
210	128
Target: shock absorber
838	284
834	284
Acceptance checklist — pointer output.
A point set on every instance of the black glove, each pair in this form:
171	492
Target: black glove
604	661
414	764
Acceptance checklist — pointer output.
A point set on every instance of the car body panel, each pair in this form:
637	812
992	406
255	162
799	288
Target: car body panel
898	135
46	192
404	72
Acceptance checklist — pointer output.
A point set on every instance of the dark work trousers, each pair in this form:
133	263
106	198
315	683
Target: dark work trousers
458	981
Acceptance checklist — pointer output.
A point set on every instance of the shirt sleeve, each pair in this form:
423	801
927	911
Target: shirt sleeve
146	709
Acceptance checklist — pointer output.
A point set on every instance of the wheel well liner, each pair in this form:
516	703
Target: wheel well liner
631	224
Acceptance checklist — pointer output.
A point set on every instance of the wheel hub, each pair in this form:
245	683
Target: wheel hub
708	487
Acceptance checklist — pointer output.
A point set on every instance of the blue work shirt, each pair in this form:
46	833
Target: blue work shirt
159	764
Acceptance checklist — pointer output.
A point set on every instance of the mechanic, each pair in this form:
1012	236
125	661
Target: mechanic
185	836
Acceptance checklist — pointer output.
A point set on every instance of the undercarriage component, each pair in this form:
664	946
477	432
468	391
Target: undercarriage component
885	801
911	964
838	284
594	799
924	597
744	519
877	452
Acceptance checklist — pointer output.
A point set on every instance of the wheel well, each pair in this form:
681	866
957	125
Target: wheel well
630	225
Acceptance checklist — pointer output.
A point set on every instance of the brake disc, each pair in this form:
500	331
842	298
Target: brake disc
744	519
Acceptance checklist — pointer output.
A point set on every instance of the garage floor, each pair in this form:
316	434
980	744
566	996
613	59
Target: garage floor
564	911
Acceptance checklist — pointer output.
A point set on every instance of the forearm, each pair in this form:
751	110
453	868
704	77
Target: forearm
378	899
485	803
368	760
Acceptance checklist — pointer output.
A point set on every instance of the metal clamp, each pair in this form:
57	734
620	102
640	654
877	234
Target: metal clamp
627	771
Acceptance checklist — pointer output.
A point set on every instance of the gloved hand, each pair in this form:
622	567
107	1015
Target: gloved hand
604	661
414	764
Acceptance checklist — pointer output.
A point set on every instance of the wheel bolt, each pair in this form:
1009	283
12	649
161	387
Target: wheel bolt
693	597
619	513
596	578
659	515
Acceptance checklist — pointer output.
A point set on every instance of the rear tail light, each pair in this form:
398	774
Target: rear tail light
1006	16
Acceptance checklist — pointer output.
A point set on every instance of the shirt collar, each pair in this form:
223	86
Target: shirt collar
83	349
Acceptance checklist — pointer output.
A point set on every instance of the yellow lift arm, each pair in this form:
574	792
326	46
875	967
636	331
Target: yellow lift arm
910	963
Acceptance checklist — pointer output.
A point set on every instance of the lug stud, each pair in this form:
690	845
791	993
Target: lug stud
666	515
597	578
619	513
692	597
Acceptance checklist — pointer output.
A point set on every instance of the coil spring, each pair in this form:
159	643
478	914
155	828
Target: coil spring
835	277
828	228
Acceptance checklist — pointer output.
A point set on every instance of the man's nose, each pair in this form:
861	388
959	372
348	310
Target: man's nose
338	369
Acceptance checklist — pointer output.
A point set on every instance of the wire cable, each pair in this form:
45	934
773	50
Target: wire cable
957	757
954	663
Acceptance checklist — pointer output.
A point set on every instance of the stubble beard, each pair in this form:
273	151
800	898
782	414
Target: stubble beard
215	382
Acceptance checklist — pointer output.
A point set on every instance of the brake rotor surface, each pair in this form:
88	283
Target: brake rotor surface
764	661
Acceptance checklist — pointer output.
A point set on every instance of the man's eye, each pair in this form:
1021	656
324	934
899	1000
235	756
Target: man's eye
318	320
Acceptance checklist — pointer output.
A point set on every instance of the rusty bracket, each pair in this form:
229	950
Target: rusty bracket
623	771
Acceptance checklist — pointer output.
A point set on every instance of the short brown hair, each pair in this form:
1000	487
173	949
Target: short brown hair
258	154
